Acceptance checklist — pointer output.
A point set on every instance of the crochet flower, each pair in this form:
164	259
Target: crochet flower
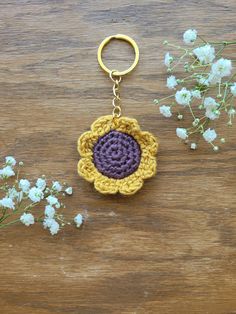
116	155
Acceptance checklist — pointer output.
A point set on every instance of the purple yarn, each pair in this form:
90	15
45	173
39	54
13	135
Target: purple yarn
116	155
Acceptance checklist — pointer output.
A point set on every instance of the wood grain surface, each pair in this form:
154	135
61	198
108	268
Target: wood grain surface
169	249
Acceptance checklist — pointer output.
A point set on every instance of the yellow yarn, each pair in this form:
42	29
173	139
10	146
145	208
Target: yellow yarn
130	184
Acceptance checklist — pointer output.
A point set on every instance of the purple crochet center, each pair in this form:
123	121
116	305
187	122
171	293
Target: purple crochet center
116	155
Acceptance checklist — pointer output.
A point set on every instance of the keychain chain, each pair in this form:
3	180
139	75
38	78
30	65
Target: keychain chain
116	102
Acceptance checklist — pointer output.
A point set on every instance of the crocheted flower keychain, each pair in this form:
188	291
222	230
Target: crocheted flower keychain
116	155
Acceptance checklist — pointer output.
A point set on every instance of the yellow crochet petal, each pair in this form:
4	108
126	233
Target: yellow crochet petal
86	142
147	167
126	125
131	184
102	125
87	170
106	185
147	142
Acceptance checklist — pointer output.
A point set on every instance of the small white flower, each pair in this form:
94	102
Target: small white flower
41	184
57	186
53	201
78	220
209	135
213	79
7	202
202	80
171	82
24	185
211	108
12	193
20	196
212	114
47	222
196	121
10	161
54	228
69	190
52	224
182	133
190	36
196	93
168	59
6	172
210	102
165	111
233	89
221	68
49	211
232	112
35	194
183	97
193	146
27	219
205	54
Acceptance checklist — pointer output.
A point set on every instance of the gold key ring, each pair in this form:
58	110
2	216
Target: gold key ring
121	37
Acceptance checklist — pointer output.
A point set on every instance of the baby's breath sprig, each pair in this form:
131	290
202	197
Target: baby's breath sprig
21	199
207	90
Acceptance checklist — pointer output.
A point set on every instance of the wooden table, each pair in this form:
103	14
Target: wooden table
171	248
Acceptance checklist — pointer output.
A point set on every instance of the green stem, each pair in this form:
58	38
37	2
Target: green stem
191	110
200	66
30	206
4	210
220	50
165	98
189	76
17	175
181	58
231	78
4	217
202	39
229	96
9	223
177	47
225	43
225	92
219	89
200	126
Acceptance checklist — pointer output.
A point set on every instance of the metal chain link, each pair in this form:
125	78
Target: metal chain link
116	102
